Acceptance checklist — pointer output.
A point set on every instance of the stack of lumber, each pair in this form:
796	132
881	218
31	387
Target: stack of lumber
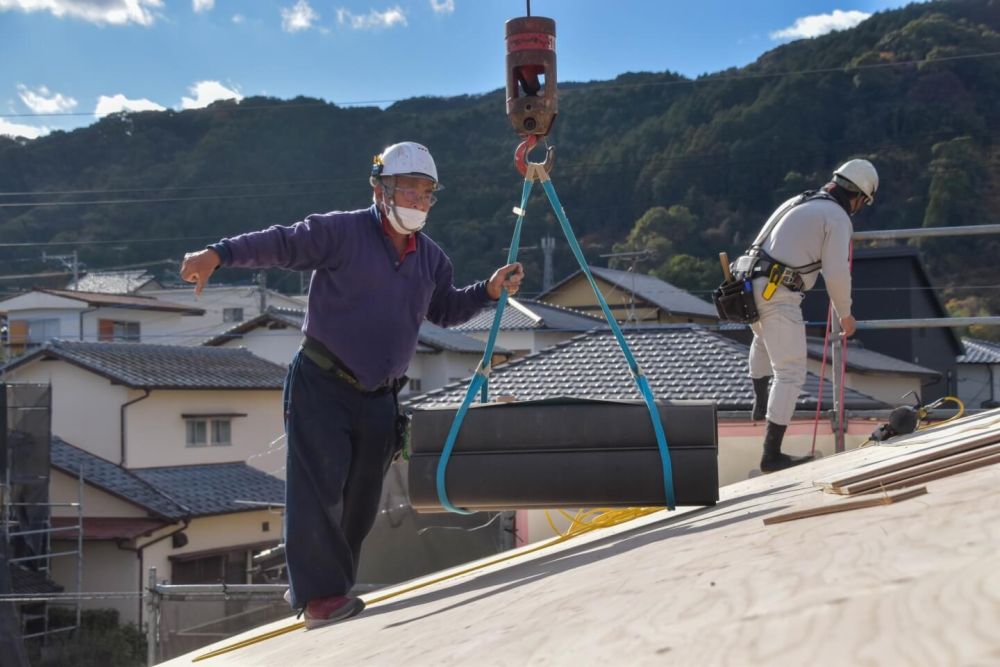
924	456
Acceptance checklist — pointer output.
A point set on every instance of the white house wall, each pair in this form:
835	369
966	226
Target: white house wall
69	319
156	432
151	322
977	384
85	406
106	569
64	488
276	345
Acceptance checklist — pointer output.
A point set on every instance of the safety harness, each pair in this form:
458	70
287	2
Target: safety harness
757	263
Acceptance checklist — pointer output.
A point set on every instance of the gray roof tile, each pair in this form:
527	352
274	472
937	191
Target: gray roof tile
174	492
215	488
658	292
864	360
980	352
165	366
114	479
528	314
112	282
680	363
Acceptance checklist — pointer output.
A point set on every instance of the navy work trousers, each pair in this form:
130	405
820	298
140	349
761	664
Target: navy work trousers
340	442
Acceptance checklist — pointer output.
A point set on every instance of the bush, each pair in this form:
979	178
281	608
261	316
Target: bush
100	641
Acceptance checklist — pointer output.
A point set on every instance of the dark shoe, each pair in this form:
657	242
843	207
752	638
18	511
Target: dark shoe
761	389
325	611
773	460
781	461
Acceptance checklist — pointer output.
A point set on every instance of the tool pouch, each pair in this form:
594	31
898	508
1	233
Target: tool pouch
735	303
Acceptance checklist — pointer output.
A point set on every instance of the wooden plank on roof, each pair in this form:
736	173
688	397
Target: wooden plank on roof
930	476
845	506
892	476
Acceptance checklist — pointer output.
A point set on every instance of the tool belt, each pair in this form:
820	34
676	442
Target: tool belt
734	302
330	363
757	263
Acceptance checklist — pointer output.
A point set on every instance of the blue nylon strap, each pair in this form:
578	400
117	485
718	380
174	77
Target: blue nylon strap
640	380
481	379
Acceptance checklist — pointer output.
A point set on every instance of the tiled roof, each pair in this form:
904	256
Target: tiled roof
432	337
438	338
681	362
215	488
980	352
528	314
114	479
144	366
112	282
174	492
120	301
658	292
863	360
28	582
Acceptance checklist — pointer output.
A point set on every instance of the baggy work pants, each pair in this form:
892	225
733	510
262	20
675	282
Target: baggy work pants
340	443
779	349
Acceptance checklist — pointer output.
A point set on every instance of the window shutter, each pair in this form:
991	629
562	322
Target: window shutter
105	330
17	332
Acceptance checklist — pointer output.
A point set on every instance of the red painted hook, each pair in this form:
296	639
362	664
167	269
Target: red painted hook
524	148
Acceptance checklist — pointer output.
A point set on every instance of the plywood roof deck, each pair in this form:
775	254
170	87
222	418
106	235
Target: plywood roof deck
916	582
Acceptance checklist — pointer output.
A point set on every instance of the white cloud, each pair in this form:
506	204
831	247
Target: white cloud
443	6
373	20
820	24
206	92
299	17
18	130
42	100
202	5
239	19
119	102
113	12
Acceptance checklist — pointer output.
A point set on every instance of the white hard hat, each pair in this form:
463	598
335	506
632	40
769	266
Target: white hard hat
859	176
406	158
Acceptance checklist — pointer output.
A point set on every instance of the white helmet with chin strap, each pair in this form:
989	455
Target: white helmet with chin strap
406	158
858	176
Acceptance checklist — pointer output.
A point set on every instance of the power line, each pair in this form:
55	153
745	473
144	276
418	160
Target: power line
570	89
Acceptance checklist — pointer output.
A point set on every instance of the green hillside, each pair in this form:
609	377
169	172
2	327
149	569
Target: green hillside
686	167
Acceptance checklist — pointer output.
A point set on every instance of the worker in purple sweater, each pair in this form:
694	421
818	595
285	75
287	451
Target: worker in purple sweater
375	277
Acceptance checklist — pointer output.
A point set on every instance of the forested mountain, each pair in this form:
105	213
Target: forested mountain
685	167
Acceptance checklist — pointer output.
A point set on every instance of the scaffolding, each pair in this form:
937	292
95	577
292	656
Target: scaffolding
26	527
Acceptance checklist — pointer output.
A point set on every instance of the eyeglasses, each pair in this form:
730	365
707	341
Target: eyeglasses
416	195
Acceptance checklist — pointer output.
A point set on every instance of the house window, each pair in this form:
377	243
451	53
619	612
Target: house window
40	331
232	314
414	385
230	567
208	432
116	330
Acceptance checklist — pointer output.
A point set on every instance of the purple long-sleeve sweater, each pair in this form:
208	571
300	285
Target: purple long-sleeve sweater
365	304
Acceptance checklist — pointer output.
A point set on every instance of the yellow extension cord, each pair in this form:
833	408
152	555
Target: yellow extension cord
584	521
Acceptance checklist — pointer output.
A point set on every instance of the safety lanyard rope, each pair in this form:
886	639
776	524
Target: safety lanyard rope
480	381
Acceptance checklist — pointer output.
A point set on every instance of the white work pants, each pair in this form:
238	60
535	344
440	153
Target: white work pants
779	349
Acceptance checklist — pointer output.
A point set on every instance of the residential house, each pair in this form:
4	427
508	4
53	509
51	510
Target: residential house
529	326
631	297
891	283
41	314
142	406
442	355
979	374
224	306
196	524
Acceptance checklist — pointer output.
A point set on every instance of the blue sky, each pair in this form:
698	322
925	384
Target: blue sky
65	62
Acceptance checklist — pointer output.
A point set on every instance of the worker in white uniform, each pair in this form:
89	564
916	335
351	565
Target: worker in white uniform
808	234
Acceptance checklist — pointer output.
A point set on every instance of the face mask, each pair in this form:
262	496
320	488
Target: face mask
406	220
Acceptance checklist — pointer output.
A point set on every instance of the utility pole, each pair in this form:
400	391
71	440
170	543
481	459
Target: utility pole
548	244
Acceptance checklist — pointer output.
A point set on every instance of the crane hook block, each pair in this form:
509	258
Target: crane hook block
532	102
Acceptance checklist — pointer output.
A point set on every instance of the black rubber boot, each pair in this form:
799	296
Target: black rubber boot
761	389
773	460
